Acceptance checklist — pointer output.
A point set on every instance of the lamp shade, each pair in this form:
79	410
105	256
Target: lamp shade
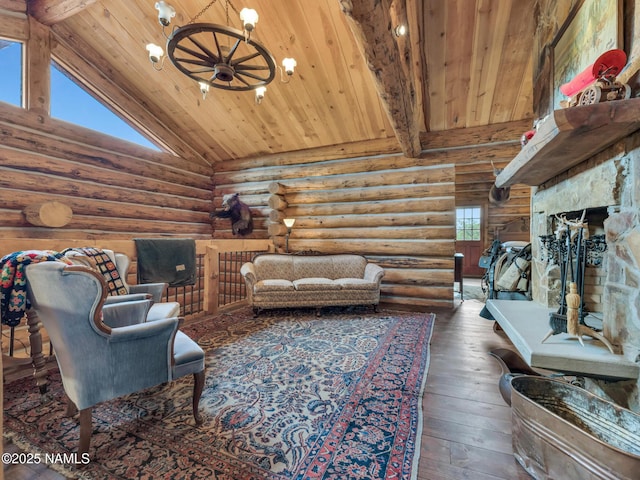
249	18
155	52
288	222
165	13
289	64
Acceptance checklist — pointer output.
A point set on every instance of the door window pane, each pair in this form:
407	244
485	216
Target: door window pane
468	223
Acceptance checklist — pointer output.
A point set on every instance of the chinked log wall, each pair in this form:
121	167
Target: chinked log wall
114	188
397	211
365	198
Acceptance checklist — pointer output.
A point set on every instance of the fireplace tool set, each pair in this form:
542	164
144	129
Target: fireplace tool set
571	249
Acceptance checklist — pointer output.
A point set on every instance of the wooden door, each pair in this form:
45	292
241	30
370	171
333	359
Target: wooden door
469	228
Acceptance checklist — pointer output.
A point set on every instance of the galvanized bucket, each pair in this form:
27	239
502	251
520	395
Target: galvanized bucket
563	432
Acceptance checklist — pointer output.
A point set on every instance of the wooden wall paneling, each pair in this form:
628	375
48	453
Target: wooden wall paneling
28	171
68	140
111	193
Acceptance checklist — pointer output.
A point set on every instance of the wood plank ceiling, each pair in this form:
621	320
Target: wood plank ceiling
464	63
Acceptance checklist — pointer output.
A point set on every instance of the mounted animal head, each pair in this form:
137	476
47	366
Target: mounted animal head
498	196
238	212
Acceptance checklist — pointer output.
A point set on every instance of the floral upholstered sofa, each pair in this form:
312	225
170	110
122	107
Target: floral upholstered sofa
279	281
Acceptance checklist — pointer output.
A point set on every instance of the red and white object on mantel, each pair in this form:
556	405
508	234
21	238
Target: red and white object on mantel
597	83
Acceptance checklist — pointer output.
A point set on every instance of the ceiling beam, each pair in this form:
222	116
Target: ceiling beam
50	12
390	61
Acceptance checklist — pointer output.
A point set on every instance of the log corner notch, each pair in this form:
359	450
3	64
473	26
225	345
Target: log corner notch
390	61
48	214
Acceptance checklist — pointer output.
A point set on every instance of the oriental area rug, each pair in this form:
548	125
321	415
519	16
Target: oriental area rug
288	395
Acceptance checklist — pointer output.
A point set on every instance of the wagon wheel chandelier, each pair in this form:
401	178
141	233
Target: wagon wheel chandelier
218	56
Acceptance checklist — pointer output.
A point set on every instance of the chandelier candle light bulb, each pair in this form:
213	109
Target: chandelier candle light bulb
249	18
204	89
218	56
165	13
289	64
260	91
155	53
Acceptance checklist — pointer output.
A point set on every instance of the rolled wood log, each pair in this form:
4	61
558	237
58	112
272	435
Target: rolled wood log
418	277
378	220
417	292
16	139
366	194
441	204
14	199
276	216
416	302
400	262
442	248
146	191
277	202
276	188
411	232
344	174
276	229
48	214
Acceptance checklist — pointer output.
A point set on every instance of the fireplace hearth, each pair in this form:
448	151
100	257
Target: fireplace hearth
607	189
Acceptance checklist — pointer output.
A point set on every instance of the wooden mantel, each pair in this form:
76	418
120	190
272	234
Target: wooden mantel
569	136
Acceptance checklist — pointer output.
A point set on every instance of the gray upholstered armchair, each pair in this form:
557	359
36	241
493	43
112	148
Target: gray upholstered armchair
99	362
155	291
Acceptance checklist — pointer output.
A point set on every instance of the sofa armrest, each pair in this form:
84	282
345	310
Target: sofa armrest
248	271
373	273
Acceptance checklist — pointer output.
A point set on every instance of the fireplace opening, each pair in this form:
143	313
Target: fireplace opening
572	250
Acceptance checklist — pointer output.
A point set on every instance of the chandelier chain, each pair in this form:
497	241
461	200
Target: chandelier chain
226	8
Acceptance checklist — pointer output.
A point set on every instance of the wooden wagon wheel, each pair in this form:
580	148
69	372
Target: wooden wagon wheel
220	56
590	95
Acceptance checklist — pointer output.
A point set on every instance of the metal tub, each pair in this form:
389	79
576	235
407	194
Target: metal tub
563	432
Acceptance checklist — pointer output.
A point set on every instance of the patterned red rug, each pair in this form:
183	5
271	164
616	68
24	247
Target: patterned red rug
288	396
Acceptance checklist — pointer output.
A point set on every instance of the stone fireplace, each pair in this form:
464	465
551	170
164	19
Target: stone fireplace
607	187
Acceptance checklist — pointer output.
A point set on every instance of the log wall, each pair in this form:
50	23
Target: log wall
399	212
114	188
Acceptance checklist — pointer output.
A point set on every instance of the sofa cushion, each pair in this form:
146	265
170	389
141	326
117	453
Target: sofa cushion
348	266
274	266
315	283
356	284
273	285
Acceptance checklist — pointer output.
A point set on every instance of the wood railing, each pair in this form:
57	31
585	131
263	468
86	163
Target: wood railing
219	285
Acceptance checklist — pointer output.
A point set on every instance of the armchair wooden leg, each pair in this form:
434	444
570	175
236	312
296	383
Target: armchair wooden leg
198	385
85	430
71	408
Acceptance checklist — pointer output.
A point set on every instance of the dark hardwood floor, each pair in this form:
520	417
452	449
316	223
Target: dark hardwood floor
467	426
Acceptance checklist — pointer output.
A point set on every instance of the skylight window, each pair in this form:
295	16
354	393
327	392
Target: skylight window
71	103
11	68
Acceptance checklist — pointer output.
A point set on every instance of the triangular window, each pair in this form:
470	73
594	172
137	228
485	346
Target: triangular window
11	68
71	103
